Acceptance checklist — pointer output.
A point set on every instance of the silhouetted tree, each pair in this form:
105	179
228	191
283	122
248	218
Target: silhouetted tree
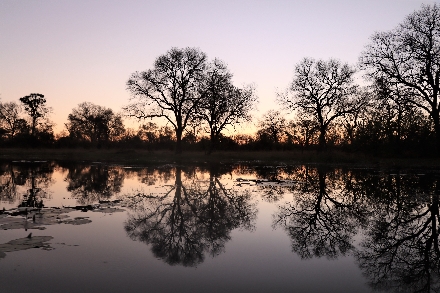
389	124
304	131
35	105
10	118
408	57
169	90
93	123
322	91
222	103
166	137
149	132
271	129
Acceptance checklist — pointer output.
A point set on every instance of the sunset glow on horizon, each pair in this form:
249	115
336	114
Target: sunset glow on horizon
77	51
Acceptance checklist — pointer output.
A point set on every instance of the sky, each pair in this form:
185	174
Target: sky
85	50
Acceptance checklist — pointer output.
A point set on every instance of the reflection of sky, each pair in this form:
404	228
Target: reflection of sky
75	51
99	257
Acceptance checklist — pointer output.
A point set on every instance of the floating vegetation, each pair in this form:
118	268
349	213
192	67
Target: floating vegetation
25	243
26	218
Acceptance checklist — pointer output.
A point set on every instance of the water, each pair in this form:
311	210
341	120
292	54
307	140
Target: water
222	228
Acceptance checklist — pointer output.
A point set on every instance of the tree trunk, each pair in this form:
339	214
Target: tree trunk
436	120
179	141
34	122
212	142
178	182
322	142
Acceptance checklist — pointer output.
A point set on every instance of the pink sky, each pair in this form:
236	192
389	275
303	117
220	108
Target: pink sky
85	50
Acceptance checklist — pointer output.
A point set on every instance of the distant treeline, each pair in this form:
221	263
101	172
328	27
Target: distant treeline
384	130
395	111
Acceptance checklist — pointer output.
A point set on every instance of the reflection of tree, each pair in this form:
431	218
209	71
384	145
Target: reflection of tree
35	176
272	192
150	175
8	183
272	181
221	210
400	251
321	220
34	196
190	219
92	183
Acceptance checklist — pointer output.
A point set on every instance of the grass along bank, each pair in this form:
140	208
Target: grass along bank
143	157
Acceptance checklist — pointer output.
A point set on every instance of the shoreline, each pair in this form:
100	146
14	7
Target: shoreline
145	157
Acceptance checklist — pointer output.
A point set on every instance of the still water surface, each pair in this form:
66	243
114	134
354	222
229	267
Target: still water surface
222	228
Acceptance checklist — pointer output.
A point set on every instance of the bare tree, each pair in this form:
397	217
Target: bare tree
271	128
169	90
222	103
35	105
148	132
322	91
10	118
408	57
303	131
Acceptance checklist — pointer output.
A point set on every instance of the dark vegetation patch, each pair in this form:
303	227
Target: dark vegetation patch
156	158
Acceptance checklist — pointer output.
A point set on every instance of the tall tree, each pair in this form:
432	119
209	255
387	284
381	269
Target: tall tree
322	91
93	123
35	105
401	120
409	58
169	90
222	103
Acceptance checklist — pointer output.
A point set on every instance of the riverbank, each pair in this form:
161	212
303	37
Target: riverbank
143	157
